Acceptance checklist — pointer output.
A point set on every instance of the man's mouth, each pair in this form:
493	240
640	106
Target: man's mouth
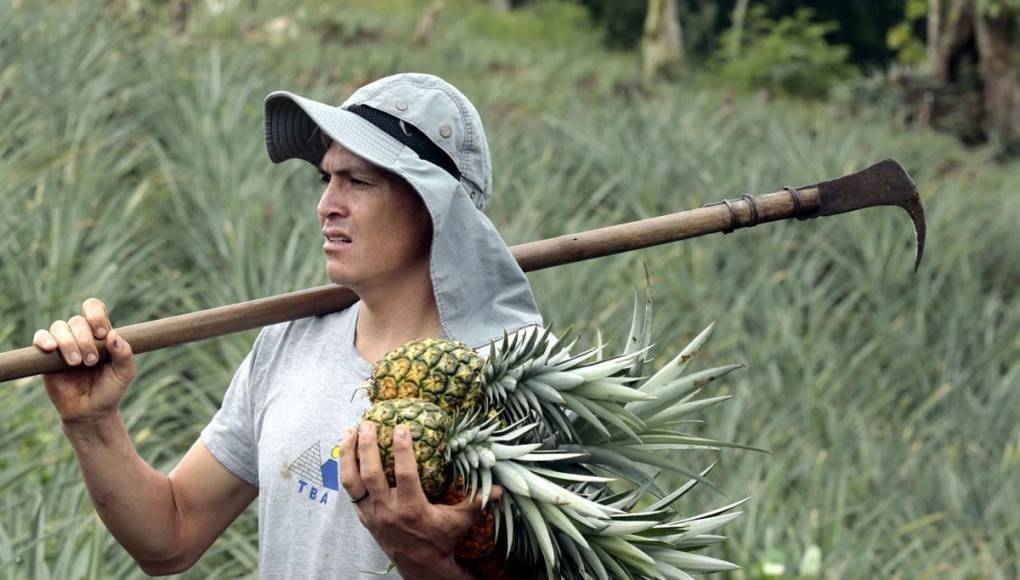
336	242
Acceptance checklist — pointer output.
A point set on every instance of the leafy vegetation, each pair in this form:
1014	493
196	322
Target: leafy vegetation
133	169
790	55
863	26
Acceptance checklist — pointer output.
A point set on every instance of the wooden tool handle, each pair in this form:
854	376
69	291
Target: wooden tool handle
173	330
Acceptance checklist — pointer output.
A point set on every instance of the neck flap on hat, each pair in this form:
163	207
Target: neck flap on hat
480	290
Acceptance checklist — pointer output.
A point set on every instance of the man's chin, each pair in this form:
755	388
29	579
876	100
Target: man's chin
341	278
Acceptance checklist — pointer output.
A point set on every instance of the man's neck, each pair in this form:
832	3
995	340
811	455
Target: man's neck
396	313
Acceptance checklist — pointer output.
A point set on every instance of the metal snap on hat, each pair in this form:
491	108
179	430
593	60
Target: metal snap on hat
416	111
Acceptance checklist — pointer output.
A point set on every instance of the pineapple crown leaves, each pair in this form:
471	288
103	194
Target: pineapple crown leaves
577	426
647	544
479	450
533	376
640	336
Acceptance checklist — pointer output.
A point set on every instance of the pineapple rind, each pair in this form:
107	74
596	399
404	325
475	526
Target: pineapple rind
429	428
444	372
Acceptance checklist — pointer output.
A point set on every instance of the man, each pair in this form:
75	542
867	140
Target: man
406	170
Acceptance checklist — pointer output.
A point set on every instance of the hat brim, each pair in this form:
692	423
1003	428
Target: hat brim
293	122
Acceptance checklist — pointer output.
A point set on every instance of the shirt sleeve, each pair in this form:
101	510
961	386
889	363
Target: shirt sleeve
230	436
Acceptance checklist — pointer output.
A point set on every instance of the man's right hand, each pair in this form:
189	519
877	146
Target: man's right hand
166	522
91	392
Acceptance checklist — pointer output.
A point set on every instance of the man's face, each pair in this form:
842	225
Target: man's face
376	228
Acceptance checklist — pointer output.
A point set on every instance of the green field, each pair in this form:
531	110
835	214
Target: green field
133	169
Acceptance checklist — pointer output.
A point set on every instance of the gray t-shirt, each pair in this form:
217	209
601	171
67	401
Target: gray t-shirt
281	421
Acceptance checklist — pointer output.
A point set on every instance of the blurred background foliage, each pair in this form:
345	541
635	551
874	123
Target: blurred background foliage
133	169
862	25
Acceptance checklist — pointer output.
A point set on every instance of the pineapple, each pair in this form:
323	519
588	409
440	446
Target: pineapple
443	372
576	441
429	427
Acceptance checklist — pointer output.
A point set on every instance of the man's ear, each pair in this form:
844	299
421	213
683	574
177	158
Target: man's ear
426	226
420	208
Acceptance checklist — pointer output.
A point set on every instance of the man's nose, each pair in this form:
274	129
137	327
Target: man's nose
333	201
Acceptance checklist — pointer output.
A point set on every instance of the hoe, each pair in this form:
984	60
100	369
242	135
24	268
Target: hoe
884	183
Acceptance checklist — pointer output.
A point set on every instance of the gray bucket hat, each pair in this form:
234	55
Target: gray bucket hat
424	130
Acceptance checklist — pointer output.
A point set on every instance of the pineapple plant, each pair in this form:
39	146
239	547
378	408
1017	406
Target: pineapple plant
575	440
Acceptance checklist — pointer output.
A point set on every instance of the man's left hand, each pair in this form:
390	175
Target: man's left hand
420	537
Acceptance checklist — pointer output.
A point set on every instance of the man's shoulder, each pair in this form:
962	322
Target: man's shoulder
294	345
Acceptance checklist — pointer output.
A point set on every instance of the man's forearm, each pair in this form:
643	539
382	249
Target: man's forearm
134	500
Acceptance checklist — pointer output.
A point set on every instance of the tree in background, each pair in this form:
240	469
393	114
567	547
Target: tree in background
963	59
623	22
661	45
737	28
862	25
988	30
962	56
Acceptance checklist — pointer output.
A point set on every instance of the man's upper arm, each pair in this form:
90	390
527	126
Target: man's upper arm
218	477
208	497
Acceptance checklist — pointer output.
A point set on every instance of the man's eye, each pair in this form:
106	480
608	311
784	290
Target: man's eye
358	182
324	177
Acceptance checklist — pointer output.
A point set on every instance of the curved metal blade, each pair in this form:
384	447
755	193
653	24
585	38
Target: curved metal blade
884	183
